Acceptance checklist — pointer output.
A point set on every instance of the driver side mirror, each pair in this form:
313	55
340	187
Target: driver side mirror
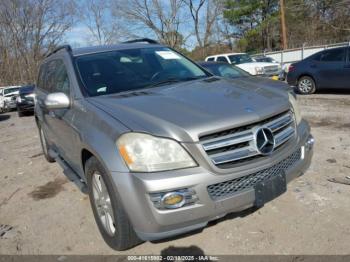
57	101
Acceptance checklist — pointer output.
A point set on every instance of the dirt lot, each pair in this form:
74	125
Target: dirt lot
42	213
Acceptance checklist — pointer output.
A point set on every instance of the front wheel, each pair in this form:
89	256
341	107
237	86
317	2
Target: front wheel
111	218
44	145
306	85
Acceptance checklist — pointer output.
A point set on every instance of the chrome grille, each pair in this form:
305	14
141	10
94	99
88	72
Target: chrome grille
238	144
237	185
269	70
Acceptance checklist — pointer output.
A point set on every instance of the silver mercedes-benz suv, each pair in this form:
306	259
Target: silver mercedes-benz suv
160	145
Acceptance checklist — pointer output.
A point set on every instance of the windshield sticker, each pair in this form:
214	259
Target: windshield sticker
168	55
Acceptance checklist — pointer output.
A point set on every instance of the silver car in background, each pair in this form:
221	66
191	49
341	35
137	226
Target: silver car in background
161	145
8	96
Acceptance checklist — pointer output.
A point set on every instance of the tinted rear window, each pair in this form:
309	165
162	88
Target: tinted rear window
226	70
26	89
333	55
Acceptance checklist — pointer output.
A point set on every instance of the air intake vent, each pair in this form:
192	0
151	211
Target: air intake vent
229	188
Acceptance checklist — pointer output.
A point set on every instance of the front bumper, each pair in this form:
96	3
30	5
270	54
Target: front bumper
151	223
11	104
25	106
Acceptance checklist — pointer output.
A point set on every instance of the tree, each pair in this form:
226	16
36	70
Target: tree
255	21
314	22
161	18
96	16
204	14
29	30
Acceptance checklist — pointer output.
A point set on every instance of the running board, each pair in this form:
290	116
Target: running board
69	172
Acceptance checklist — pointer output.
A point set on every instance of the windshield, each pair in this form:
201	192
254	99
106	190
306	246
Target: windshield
132	69
240	59
265	59
226	70
10	90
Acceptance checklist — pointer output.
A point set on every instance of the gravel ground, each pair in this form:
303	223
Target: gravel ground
42	213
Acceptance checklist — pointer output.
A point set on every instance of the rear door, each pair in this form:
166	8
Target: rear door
330	70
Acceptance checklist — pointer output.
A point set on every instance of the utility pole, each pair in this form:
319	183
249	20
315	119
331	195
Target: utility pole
284	41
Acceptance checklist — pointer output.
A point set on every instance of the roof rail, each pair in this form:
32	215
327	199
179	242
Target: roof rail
67	47
138	40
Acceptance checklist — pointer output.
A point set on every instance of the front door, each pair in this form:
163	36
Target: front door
60	120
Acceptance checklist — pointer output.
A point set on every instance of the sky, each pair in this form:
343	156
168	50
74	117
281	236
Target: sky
77	36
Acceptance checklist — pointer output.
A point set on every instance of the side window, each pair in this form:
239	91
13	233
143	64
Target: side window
41	77
50	72
222	59
333	55
316	57
210	59
61	82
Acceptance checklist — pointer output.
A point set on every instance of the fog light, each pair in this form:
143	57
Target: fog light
309	142
174	199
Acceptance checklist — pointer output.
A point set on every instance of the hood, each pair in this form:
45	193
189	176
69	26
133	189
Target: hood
185	111
265	82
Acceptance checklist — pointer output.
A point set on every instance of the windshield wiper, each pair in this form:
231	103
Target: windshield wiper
193	78
166	81
174	80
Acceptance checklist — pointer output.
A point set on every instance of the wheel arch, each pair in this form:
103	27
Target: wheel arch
85	156
308	75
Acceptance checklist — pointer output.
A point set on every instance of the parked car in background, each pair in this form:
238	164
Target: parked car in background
265	59
7	98
230	71
161	145
326	69
25	100
245	62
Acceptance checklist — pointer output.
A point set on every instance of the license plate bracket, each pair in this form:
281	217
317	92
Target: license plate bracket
268	190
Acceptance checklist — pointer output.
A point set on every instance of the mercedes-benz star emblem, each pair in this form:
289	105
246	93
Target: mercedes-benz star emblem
265	141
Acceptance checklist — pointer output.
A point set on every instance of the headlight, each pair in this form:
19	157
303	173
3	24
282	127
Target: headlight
259	70
146	153
294	103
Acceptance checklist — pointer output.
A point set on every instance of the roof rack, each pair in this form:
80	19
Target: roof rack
147	40
67	47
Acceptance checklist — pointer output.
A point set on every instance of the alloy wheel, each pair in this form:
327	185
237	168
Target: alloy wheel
305	85
103	204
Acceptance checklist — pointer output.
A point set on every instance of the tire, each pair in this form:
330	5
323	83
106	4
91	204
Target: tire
111	218
44	145
306	85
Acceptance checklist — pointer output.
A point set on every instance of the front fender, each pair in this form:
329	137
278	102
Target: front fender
98	134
